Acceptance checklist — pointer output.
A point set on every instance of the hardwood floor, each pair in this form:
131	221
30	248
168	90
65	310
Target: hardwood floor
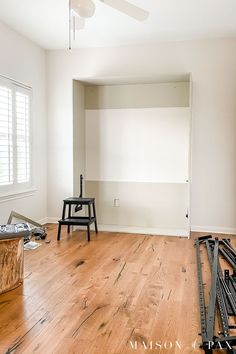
106	296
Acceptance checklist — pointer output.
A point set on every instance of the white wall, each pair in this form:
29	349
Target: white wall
152	208
23	61
139	145
212	64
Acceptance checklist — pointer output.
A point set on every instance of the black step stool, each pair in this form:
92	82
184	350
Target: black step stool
78	220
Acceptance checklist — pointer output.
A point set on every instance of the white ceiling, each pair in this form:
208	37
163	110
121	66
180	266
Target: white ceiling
46	22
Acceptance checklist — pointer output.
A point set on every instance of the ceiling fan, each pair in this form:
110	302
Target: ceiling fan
79	10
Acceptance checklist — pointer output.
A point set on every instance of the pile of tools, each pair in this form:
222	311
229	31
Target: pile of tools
218	306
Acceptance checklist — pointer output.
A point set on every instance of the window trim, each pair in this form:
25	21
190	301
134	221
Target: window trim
5	197
20	188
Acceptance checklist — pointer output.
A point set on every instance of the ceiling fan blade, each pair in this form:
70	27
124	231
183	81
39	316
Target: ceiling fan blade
127	8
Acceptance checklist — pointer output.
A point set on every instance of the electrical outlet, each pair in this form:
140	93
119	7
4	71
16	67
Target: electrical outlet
116	202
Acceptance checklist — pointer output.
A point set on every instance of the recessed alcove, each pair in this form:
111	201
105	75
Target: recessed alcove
132	144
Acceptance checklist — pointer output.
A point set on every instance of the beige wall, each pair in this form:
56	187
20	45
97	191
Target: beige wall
158	208
171	94
213	69
140	144
134	133
78	134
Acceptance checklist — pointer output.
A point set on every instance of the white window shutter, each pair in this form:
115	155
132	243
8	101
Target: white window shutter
15	140
6	139
22	137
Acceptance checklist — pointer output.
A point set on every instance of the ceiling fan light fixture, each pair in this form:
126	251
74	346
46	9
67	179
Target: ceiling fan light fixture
81	9
84	8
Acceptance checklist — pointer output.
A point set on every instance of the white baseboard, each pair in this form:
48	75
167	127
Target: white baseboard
214	229
49	220
144	230
152	231
128	229
43	221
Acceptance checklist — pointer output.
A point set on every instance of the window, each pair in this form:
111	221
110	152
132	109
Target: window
15	147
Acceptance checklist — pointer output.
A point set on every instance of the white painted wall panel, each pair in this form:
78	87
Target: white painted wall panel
141	145
161	207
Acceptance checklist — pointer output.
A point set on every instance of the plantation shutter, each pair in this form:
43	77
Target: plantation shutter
22	137
15	140
6	136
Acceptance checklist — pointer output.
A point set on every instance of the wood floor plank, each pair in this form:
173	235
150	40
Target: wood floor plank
104	296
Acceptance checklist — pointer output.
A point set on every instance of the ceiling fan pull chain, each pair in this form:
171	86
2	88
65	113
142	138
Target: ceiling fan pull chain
69	24
74	19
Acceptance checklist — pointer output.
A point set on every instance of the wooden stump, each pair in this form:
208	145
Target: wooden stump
11	263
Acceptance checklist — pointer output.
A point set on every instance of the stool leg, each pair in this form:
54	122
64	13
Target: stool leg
94	214
59	232
69	216
64	211
89	211
88	232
